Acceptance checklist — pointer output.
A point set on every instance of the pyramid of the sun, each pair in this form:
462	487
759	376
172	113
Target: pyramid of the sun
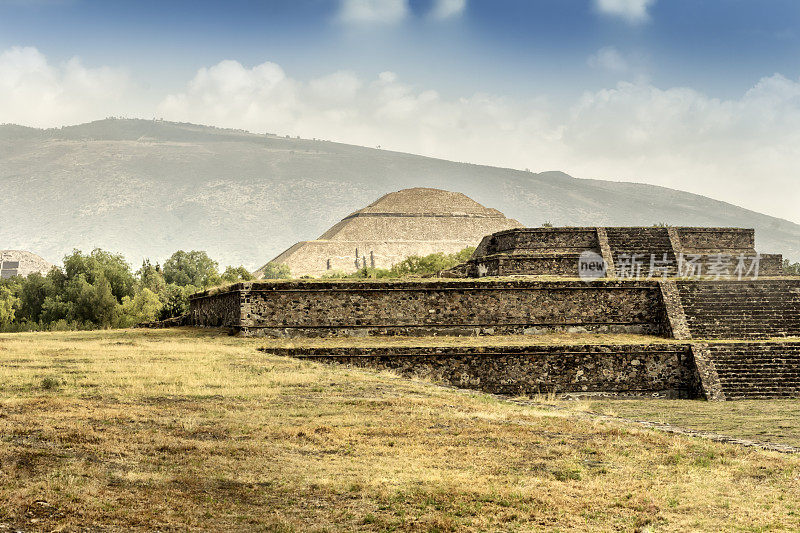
417	221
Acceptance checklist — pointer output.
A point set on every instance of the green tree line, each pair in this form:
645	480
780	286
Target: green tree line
100	290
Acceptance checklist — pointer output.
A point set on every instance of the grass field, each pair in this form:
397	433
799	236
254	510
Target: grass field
183	429
775	421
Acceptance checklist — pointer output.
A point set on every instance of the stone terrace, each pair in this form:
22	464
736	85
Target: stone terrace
715	339
555	251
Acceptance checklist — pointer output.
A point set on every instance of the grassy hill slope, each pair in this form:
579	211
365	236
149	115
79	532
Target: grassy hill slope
148	188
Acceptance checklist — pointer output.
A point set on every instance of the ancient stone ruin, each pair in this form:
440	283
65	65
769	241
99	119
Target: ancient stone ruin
671	312
628	252
21	263
418	221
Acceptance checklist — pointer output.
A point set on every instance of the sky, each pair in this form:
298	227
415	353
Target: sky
698	95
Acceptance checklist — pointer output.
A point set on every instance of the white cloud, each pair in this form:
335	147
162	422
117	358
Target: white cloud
373	11
34	92
608	58
745	150
632	11
445	9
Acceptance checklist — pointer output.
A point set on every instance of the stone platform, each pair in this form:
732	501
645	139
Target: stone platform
664	370
737	336
432	307
628	252
593	365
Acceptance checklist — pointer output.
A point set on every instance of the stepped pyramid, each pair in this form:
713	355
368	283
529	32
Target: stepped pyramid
21	263
416	221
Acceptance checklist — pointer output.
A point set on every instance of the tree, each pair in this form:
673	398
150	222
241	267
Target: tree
175	301
32	293
191	268
8	304
276	271
791	269
101	265
144	307
236	274
91	303
150	277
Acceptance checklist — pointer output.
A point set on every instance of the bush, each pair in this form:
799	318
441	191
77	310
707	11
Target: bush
52	383
791	269
430	265
276	271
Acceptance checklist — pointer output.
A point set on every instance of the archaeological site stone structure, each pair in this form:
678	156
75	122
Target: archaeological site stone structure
628	252
418	221
21	263
714	320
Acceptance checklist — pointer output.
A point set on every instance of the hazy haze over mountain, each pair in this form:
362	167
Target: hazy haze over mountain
146	189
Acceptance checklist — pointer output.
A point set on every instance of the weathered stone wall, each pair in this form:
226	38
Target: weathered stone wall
710	240
531	251
543	240
665	370
434	307
218	308
527	264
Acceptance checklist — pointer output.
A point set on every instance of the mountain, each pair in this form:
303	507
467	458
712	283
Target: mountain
147	188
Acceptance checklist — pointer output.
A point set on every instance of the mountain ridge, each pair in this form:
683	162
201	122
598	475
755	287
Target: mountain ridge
147	188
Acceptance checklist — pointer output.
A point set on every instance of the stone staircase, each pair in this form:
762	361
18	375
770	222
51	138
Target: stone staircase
741	309
645	243
757	369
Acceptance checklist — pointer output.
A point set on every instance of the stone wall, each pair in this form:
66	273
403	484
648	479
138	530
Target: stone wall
218	308
662	370
528	264
433	307
541	240
711	240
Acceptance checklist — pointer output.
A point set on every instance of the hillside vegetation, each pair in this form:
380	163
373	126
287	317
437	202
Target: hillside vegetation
145	188
186	429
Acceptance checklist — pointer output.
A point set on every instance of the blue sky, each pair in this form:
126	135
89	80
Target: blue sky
700	95
509	47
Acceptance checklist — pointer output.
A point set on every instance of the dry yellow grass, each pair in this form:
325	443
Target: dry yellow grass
182	429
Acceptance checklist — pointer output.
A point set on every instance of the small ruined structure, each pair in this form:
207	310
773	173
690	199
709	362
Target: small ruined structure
631	252
717	319
418	221
21	263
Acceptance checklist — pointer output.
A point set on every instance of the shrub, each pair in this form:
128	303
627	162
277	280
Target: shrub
276	271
